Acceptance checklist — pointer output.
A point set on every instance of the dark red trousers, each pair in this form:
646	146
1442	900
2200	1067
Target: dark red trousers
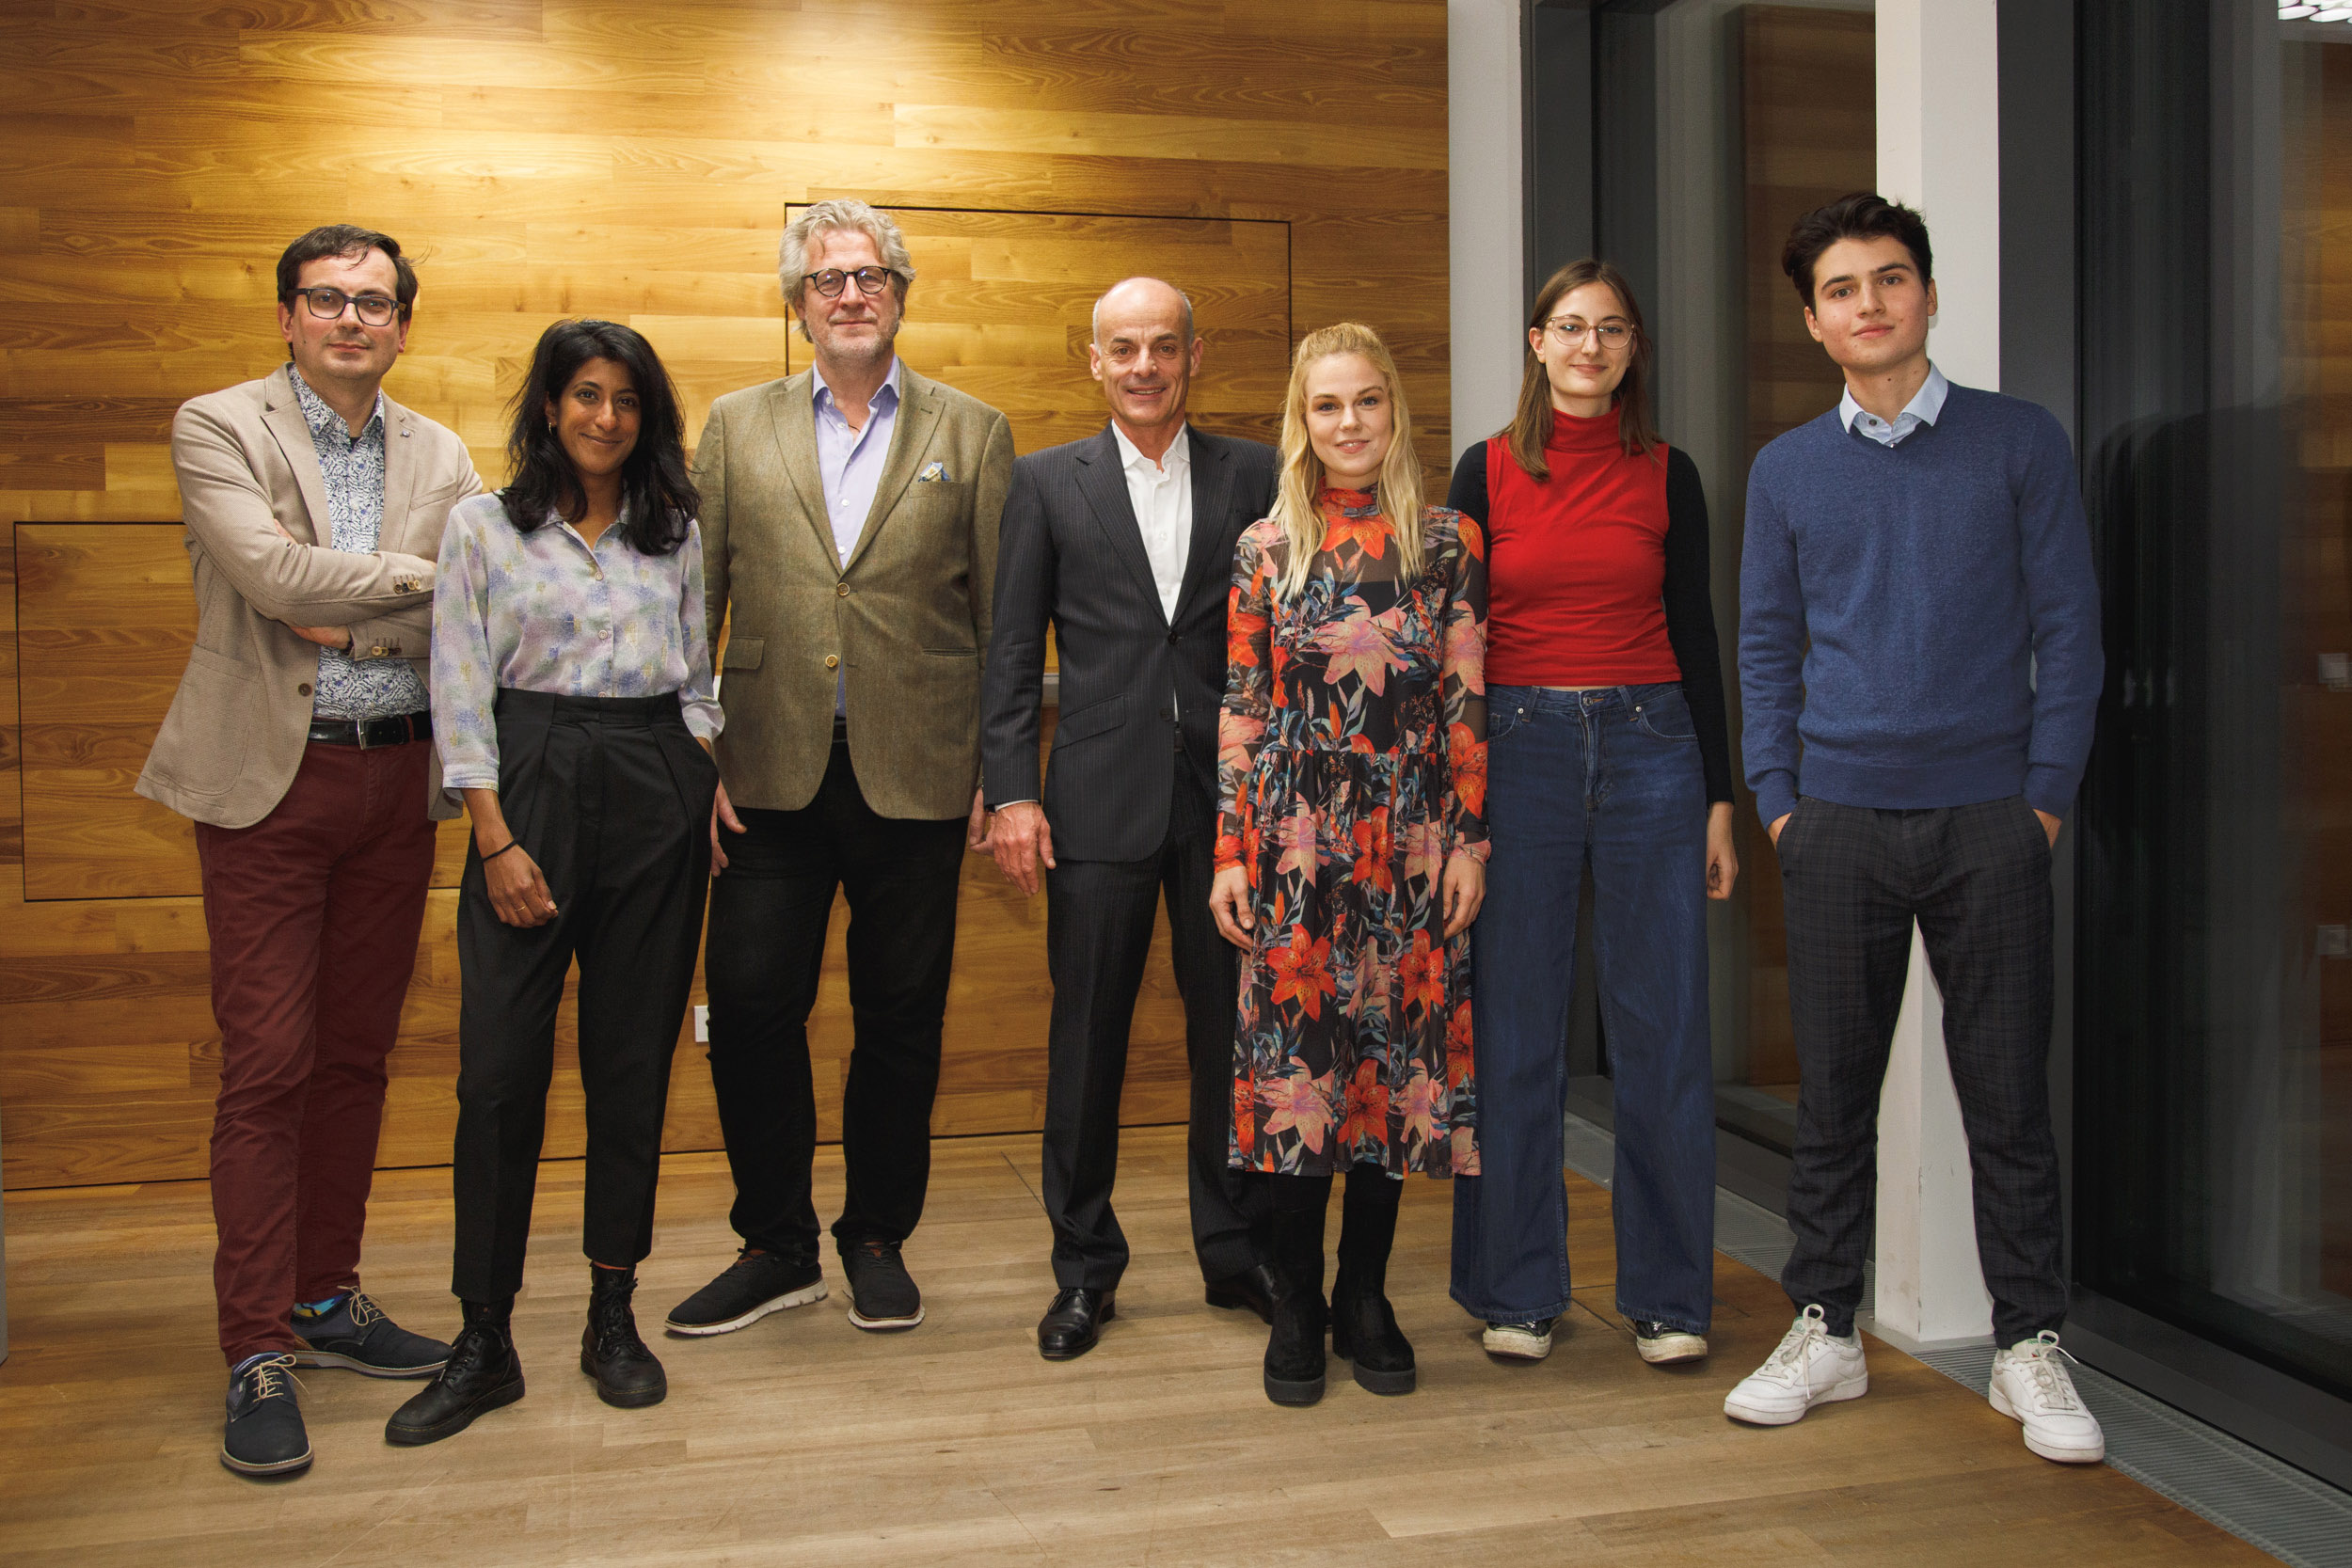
314	913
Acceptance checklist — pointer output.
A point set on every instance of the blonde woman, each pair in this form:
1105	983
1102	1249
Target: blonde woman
1351	847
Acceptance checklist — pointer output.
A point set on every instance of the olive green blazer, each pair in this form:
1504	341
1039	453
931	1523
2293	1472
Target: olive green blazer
906	620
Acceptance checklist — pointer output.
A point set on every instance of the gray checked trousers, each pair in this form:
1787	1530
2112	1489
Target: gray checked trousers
1976	879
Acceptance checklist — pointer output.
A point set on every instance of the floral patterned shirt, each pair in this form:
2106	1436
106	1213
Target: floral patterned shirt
353	469
548	611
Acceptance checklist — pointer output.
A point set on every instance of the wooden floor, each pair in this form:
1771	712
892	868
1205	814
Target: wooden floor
803	1440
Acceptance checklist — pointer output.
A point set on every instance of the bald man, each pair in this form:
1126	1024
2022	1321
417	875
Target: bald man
1124	544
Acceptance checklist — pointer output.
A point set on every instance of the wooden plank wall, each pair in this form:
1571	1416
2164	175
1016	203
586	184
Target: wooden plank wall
1810	122
1286	164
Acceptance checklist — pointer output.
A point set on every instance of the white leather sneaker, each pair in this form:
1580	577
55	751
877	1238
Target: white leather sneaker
2032	1387
1810	1366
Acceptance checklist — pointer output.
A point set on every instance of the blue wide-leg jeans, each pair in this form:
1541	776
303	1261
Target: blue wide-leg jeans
1608	778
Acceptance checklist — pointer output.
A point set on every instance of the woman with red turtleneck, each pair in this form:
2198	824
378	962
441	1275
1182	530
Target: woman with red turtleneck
1607	749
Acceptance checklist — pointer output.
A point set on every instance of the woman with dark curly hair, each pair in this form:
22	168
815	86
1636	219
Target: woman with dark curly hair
571	682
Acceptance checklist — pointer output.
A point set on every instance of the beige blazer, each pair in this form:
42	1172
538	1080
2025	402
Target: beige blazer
907	618
238	724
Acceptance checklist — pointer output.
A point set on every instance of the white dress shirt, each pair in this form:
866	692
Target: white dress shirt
1924	407
1161	494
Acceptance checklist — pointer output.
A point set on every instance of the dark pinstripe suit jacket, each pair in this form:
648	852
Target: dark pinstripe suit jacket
1070	556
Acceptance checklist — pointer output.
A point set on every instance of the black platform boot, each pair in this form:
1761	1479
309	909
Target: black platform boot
1294	1351
610	1351
1363	1326
483	1372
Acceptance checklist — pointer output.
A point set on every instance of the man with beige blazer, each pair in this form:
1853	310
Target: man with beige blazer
299	742
849	525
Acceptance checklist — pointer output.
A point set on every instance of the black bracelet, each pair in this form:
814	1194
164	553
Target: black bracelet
494	854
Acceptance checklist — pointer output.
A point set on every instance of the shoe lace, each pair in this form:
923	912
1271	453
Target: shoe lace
2053	1385
615	1327
363	1310
271	1377
1788	1361
881	1252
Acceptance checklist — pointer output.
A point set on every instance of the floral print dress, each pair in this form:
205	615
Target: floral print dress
1352	761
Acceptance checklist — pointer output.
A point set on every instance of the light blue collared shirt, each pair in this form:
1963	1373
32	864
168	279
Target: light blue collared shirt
850	462
1922	410
849	467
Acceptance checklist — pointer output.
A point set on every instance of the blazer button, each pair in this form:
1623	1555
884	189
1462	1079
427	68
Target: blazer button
1173	639
303	690
833	661
841	590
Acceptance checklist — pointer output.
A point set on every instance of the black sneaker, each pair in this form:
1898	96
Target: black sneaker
754	1285
1529	1340
263	1435
883	1297
359	1338
1663	1345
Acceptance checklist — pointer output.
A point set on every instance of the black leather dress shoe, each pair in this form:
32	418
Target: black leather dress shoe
1074	1322
1255	1287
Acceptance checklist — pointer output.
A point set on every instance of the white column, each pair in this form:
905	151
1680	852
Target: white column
1939	140
1485	252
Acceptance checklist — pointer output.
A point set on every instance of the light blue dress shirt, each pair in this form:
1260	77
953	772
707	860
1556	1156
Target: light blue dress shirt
849	465
1922	410
850	462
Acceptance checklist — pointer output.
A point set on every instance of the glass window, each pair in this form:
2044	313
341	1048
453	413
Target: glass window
2214	999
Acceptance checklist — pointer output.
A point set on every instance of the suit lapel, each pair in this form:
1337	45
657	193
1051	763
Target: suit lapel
400	474
1104	484
281	412
1210	559
910	439
795	420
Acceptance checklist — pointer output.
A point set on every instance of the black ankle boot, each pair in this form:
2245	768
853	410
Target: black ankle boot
1364	1325
482	1373
626	1371
1294	1351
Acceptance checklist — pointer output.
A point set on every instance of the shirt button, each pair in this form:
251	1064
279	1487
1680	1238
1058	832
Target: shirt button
833	661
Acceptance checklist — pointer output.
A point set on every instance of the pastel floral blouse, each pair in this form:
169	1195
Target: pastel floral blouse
548	611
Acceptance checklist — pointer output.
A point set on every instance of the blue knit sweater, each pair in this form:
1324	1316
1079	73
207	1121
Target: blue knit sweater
1946	590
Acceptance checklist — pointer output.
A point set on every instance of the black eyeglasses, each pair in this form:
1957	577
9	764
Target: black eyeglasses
328	305
870	281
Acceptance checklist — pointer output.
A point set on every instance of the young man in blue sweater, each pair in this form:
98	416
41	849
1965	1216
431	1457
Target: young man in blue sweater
1919	660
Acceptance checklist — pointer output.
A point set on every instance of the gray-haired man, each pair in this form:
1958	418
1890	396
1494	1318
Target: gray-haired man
850	522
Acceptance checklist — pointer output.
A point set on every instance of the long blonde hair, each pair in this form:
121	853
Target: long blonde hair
1301	471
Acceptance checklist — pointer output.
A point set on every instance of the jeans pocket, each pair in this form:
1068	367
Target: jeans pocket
1502	716
1665	714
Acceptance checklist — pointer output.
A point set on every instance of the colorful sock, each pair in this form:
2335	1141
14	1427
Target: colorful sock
317	1308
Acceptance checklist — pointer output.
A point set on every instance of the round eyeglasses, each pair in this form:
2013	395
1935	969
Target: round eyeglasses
830	282
329	304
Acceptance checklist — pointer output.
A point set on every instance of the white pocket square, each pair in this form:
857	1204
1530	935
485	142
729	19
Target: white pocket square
933	473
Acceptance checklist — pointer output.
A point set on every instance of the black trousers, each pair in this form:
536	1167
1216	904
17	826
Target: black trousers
1098	933
1978	880
769	911
611	796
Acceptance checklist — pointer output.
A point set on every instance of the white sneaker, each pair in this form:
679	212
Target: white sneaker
2032	1387
1810	1366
